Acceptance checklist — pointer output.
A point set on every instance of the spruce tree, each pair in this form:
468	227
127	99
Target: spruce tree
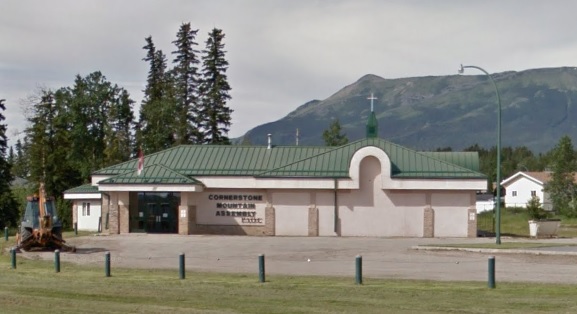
333	135
188	116
117	132
8	205
155	127
50	145
214	91
20	165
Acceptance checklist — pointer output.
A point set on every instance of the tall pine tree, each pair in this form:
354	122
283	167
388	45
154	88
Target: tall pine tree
155	127
8	205
214	91
51	144
189	115
117	131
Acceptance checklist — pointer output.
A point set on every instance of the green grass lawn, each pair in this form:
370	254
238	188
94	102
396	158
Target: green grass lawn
35	287
514	222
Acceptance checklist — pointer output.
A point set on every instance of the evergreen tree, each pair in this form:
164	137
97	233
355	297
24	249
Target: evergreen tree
562	188
8	205
155	129
20	165
11	159
189	116
333	135
214	91
117	132
50	144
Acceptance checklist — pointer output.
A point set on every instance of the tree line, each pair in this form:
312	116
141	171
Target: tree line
76	130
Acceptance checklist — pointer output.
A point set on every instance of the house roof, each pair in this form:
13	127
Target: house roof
189	161
541	177
83	189
153	174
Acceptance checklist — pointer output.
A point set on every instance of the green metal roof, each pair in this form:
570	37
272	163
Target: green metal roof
83	189
187	161
154	174
469	160
406	163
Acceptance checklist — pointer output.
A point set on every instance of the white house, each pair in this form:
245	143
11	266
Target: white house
523	185
86	207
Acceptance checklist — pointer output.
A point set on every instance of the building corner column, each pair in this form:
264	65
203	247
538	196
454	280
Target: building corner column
186	219
114	226
313	229
472	222
428	222
269	219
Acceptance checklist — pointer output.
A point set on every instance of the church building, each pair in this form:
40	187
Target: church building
369	187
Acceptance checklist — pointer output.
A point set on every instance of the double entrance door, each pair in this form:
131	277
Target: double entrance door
156	213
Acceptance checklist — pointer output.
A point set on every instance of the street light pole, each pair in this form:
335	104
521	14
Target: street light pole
498	205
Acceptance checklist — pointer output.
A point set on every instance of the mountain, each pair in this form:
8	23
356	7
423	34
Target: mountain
424	113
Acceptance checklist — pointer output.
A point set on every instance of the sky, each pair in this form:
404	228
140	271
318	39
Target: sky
281	53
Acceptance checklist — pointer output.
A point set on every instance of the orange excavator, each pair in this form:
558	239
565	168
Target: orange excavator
40	227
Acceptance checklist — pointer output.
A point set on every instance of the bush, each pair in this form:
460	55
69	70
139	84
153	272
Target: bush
535	210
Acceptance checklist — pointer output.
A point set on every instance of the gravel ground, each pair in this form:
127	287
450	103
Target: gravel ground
332	256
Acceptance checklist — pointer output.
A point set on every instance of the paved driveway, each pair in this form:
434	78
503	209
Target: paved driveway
382	257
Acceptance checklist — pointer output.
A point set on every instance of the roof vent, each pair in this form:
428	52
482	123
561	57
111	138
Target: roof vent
269	141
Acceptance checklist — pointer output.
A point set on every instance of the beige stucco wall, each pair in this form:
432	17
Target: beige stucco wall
292	212
372	211
451	213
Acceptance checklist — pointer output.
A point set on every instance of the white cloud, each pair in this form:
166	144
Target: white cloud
281	53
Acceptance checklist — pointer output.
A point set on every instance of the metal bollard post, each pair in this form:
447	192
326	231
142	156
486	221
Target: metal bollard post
261	268
13	257
107	264
491	282
57	261
359	270
75	228
181	266
6	233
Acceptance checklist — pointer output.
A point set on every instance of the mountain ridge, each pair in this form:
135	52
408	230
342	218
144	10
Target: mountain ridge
429	112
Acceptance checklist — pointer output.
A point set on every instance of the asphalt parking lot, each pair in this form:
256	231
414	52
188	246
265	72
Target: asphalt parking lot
331	256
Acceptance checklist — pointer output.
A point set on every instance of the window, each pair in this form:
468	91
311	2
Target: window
85	209
533	193
513	193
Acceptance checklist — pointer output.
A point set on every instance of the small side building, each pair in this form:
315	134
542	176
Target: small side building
86	207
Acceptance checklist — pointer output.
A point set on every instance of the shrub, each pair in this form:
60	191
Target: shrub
535	210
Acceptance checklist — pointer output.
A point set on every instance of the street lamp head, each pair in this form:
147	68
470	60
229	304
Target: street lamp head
461	70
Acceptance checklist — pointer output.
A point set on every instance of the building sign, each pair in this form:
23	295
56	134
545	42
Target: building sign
232	209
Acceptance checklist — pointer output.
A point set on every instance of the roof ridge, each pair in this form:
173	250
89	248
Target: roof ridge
307	158
446	162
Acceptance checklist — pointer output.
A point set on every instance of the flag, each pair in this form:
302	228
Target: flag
140	161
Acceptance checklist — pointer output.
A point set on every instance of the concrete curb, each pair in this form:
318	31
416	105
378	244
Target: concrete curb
492	251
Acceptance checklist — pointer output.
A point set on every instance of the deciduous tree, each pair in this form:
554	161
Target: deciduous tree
562	188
